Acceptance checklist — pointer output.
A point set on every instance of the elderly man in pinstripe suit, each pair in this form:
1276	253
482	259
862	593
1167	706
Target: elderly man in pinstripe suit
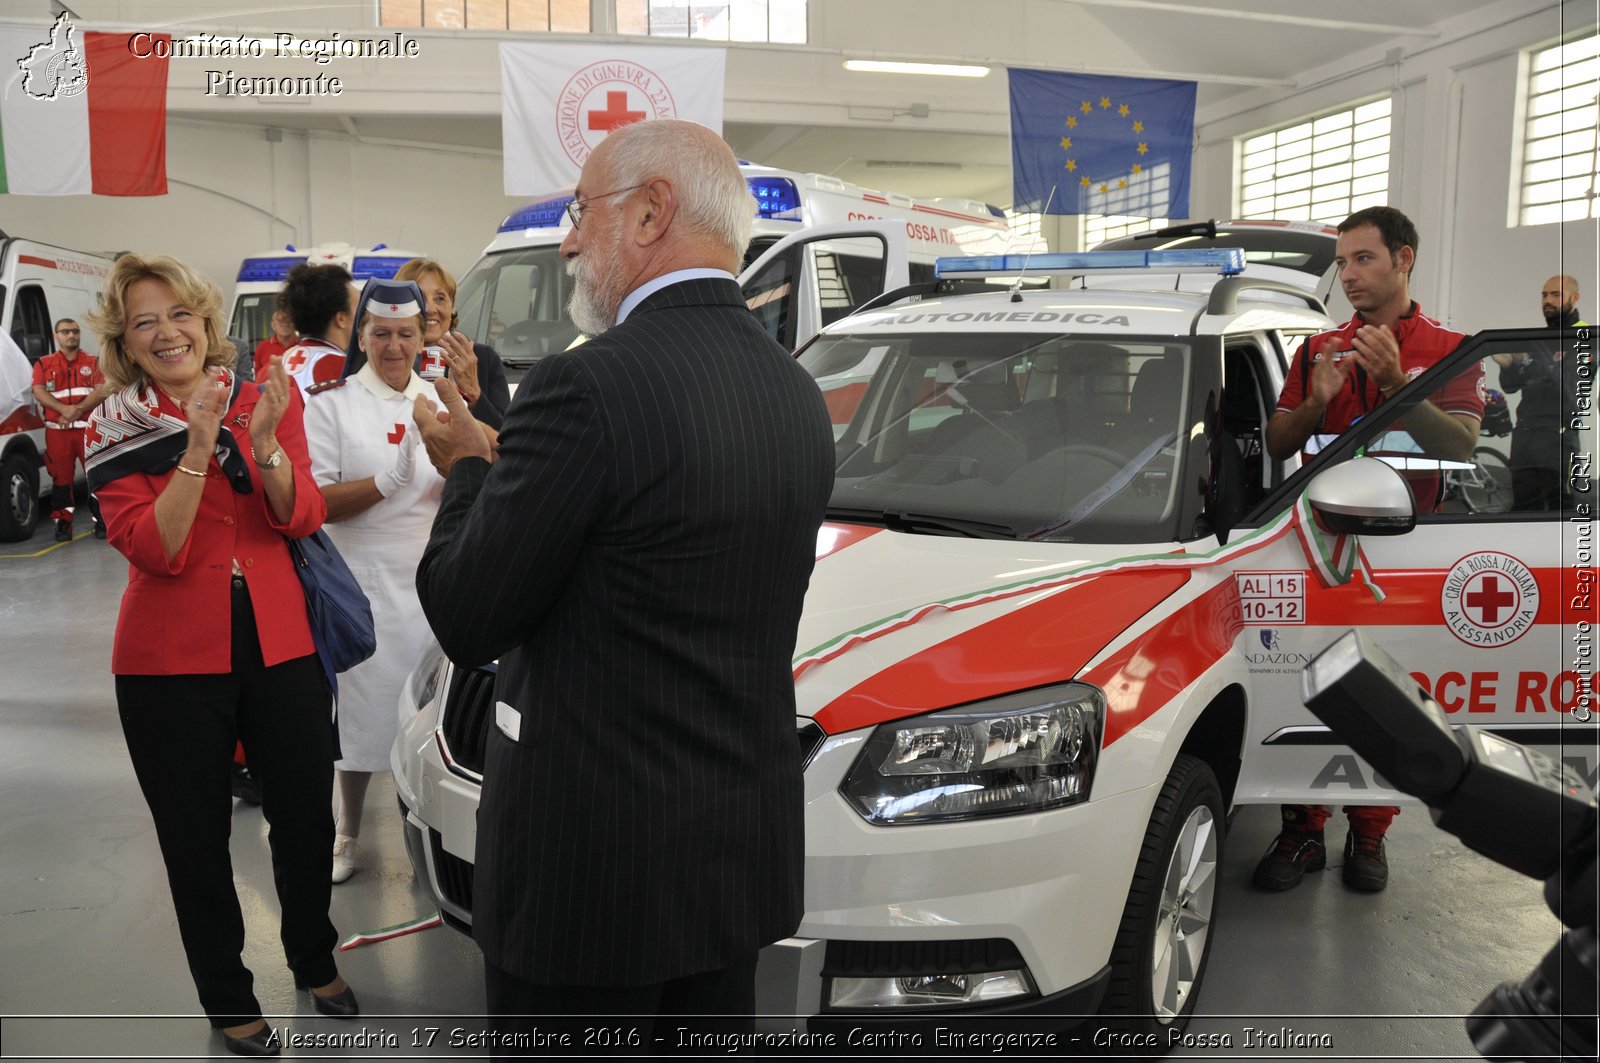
635	550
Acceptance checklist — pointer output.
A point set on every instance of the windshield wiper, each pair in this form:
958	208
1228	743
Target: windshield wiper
900	520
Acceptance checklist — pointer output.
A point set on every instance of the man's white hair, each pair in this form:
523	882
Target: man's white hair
713	198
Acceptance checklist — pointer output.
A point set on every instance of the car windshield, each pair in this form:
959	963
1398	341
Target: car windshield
252	317
1008	435
516	302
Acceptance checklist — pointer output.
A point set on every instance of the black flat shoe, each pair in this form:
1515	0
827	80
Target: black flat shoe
341	1005
259	1043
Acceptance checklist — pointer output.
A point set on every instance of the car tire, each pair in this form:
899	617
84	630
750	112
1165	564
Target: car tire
19	508
1164	939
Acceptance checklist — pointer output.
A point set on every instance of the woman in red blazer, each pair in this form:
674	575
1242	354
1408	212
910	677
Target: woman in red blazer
200	477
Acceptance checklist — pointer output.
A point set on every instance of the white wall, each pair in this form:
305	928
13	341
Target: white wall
232	193
1451	161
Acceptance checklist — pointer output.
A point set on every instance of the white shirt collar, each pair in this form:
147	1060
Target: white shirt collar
368	377
649	288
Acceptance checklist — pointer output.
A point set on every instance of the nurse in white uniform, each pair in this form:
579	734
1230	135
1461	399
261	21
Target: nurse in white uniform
381	503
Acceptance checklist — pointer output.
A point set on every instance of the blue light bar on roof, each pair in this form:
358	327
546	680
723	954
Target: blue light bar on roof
774	196
1227	261
540	214
365	267
268	269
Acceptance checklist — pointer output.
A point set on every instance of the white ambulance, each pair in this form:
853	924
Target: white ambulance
856	244
39	285
1055	633
260	279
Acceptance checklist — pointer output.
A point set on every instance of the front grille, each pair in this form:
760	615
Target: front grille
467	716
890	959
454	873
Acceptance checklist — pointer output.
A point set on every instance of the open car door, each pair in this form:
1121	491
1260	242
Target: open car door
1489	601
814	277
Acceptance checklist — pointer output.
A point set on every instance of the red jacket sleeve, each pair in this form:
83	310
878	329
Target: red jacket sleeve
127	506
310	508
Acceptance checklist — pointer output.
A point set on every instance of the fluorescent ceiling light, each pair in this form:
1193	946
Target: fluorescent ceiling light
952	70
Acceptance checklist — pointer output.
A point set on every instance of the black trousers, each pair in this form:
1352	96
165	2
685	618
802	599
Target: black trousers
520	1012
1536	488
181	731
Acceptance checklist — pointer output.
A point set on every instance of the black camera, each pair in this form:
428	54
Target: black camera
1486	791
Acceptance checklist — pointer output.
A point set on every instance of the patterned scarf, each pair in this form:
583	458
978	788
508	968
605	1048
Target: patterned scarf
129	433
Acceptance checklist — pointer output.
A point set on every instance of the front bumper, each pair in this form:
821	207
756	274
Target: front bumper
885	903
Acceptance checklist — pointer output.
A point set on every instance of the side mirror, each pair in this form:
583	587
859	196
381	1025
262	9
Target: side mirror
1362	496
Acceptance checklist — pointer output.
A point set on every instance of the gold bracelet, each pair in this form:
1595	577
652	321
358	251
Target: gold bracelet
191	472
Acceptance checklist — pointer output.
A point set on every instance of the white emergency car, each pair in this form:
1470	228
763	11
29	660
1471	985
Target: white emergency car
857	243
1055	632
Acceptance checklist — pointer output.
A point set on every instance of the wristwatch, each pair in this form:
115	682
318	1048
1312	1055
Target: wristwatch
272	462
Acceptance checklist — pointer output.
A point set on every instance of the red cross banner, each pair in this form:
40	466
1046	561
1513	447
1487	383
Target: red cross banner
558	101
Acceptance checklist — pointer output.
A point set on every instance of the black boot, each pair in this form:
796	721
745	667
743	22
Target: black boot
1366	867
1296	850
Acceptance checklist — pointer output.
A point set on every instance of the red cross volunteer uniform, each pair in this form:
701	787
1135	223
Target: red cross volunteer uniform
355	428
69	381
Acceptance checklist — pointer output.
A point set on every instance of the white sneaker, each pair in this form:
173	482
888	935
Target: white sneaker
345	851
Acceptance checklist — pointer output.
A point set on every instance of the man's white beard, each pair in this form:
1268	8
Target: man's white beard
599	289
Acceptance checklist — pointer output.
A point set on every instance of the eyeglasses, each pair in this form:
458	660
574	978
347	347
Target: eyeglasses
68	332
576	208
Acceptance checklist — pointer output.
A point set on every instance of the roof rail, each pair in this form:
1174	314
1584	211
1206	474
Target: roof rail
1207	229
1225	295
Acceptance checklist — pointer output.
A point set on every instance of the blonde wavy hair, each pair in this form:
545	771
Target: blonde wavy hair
109	319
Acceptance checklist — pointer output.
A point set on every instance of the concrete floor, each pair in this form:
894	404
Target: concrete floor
91	966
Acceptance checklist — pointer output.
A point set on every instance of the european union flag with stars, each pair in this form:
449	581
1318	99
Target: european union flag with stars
1086	144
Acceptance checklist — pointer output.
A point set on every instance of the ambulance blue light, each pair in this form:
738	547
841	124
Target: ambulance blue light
542	214
775	196
268	269
1224	260
365	267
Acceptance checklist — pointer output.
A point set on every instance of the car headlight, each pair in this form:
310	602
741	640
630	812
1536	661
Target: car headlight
1020	753
428	674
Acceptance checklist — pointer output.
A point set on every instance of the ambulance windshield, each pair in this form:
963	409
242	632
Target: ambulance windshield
1008	435
516	302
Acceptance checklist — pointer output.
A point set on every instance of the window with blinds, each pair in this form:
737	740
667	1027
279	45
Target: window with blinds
1557	182
776	21
537	16
1322	169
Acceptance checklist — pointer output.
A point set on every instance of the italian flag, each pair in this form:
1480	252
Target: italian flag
80	113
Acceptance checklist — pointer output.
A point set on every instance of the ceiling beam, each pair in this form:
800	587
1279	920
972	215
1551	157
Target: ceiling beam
1266	16
1070	68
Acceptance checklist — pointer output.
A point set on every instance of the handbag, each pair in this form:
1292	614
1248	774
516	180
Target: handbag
341	616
